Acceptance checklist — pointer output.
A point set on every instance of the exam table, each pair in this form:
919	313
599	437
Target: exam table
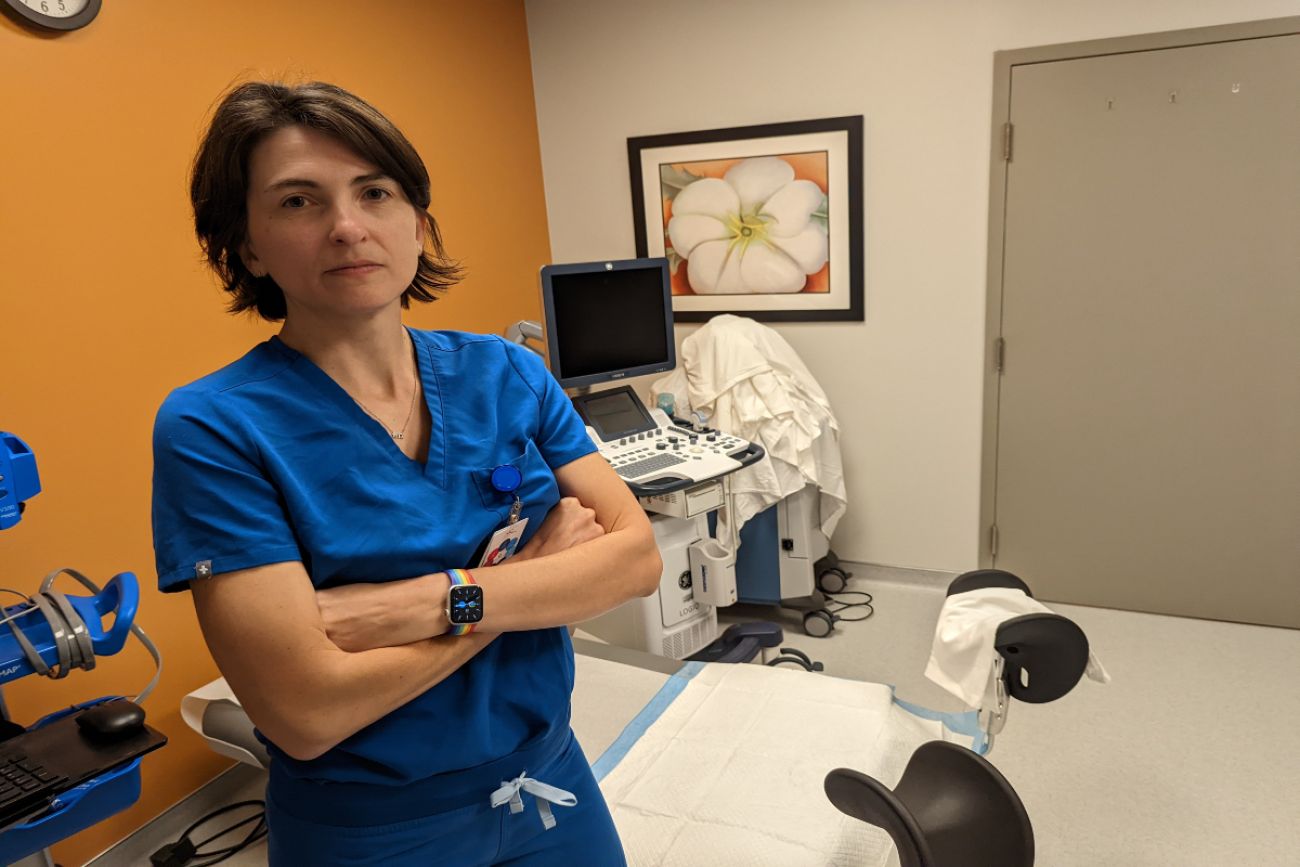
750	765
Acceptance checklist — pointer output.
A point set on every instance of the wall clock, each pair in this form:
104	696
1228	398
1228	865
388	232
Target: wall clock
52	14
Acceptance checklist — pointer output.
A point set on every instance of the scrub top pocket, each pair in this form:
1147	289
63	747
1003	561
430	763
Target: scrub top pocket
536	489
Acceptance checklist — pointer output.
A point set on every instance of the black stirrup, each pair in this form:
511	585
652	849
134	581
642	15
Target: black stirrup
982	579
1045	654
950	809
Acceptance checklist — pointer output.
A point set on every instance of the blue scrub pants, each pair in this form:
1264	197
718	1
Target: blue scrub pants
475	835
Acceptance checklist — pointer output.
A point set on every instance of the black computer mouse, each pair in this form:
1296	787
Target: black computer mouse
112	720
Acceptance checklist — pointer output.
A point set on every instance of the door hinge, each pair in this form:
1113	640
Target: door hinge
993	540
1007	132
999	354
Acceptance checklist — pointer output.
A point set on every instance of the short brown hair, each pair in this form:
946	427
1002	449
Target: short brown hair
219	181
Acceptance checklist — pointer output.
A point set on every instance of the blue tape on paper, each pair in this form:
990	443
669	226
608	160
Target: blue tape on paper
966	723
649	714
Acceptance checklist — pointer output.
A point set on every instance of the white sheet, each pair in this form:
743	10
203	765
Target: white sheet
731	773
747	380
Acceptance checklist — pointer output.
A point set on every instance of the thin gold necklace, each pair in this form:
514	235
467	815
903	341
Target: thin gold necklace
415	391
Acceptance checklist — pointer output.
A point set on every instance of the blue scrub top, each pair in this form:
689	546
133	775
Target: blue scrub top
269	460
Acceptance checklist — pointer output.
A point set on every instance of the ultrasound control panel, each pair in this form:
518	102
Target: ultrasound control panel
654	454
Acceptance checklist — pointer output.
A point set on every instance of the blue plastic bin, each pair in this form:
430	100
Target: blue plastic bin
76	809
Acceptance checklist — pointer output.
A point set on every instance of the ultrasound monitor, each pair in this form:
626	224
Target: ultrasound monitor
608	320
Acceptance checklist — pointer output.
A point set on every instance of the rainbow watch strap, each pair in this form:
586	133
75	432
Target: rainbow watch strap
460	577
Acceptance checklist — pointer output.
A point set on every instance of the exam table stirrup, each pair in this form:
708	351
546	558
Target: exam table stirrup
951	808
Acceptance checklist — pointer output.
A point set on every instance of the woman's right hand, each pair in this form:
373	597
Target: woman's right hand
568	523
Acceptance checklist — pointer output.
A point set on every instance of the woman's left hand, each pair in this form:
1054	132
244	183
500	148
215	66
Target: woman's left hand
568	523
365	616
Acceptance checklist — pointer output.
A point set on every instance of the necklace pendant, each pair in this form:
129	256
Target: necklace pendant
399	435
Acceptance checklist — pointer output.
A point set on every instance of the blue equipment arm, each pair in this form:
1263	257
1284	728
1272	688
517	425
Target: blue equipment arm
121	597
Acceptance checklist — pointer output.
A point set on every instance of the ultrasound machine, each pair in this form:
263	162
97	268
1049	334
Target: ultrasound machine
610	321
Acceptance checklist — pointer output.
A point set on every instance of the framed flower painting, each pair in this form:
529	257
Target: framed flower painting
761	221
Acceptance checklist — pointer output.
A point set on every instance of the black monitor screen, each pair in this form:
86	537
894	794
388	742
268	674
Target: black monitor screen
608	320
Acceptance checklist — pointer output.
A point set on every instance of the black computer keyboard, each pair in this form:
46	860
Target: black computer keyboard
39	764
25	785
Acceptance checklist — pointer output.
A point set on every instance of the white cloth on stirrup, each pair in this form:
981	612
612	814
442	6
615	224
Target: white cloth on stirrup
963	654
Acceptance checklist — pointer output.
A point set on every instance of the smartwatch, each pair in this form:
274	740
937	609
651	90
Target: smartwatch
464	602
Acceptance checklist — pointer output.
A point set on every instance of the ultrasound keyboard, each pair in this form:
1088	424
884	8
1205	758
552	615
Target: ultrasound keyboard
653	453
634	465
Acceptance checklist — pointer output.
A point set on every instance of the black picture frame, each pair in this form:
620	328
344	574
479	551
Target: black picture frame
838	141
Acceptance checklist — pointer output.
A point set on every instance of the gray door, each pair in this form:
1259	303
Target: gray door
1148	414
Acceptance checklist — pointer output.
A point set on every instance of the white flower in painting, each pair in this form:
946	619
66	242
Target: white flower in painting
751	231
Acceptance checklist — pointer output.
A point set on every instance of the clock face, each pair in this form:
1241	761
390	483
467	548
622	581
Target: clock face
56	8
53	14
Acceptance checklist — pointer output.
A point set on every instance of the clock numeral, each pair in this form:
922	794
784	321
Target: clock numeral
62	8
45	7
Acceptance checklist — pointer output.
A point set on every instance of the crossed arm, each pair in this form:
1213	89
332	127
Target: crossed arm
333	673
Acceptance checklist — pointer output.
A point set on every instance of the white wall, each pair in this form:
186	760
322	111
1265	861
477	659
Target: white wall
906	384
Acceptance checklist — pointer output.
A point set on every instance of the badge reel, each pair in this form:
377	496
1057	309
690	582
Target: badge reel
506	479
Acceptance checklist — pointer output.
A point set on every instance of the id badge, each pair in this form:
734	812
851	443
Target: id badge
503	543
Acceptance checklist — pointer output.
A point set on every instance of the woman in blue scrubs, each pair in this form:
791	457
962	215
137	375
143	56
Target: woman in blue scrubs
322	494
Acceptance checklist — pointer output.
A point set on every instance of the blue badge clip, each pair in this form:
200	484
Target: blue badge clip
506	478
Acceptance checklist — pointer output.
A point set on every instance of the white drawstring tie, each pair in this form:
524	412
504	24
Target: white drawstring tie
545	795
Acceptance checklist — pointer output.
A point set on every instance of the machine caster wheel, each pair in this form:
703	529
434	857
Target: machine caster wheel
818	624
832	580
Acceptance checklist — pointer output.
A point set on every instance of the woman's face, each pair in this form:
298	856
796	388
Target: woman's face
334	232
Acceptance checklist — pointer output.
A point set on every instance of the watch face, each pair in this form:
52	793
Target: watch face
465	604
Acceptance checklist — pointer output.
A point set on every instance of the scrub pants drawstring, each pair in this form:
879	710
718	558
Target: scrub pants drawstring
545	795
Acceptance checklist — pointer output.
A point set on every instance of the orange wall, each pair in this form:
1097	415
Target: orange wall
104	306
